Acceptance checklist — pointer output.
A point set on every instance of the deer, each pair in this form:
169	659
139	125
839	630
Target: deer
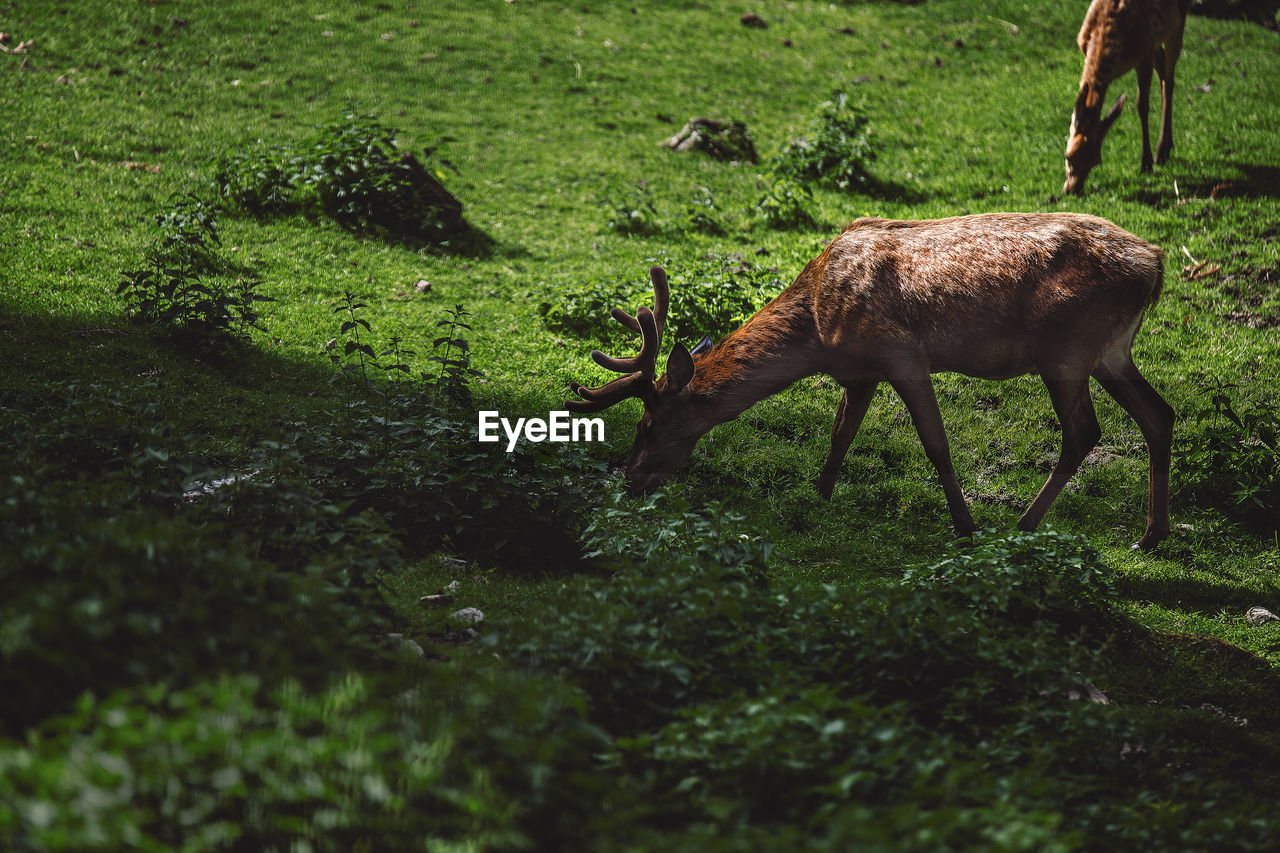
993	296
1118	35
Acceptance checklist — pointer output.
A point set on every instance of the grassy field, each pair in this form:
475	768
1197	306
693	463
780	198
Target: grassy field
545	119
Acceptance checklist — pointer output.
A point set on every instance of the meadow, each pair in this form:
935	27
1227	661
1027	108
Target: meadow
243	358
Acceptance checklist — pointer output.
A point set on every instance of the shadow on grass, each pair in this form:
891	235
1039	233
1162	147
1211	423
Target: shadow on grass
1207	597
1259	181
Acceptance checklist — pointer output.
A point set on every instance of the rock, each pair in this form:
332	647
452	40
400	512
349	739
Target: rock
453	586
453	563
1260	616
467	614
720	140
751	19
404	644
422	286
435	600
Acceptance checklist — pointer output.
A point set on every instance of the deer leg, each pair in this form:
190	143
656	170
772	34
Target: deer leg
922	403
1167	59
1144	104
1121	379
1080	432
853	408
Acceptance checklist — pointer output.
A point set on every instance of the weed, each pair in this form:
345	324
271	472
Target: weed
700	213
186	287
454	357
630	210
350	171
1233	461
781	204
835	151
712	295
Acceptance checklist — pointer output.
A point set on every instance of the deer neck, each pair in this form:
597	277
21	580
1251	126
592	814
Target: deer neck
775	348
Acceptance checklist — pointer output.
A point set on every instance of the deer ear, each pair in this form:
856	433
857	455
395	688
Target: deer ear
1114	113
703	346
679	369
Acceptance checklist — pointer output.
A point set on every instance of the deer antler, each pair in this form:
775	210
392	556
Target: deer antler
641	369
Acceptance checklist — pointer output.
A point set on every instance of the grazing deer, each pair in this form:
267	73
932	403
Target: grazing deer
1118	35
994	296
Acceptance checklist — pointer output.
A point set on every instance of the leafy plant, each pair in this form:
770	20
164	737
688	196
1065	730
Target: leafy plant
700	213
454	357
1233	461
782	201
835	150
349	170
712	295
630	210
186	287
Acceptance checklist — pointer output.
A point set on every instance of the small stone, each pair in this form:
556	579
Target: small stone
453	586
422	286
405	645
751	19
467	614
1260	616
435	600
453	563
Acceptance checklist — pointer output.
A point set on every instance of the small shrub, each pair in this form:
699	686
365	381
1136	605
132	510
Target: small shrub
454	357
187	287
1021	577
700	213
1233	461
476	758
630	210
712	295
782	203
134	596
835	150
350	171
405	449
775	715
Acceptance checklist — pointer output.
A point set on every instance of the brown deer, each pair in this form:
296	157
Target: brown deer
994	296
1118	35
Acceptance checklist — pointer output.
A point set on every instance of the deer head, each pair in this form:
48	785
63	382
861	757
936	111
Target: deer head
1088	129
671	424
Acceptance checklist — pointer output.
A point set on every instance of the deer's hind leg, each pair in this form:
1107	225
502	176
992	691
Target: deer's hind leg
853	408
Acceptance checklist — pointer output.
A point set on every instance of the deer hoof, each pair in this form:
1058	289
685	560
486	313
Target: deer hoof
1148	542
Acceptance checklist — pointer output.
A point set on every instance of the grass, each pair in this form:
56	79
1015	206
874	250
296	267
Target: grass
546	110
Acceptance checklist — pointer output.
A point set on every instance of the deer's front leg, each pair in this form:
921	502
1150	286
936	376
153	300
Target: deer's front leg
922	403
853	408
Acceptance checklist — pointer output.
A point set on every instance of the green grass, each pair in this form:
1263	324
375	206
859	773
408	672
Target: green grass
547	109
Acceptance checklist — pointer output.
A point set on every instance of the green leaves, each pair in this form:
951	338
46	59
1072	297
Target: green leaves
1230	456
349	171
835	151
711	295
188	288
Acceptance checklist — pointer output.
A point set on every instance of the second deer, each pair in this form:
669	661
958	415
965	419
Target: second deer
993	295
1118	35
